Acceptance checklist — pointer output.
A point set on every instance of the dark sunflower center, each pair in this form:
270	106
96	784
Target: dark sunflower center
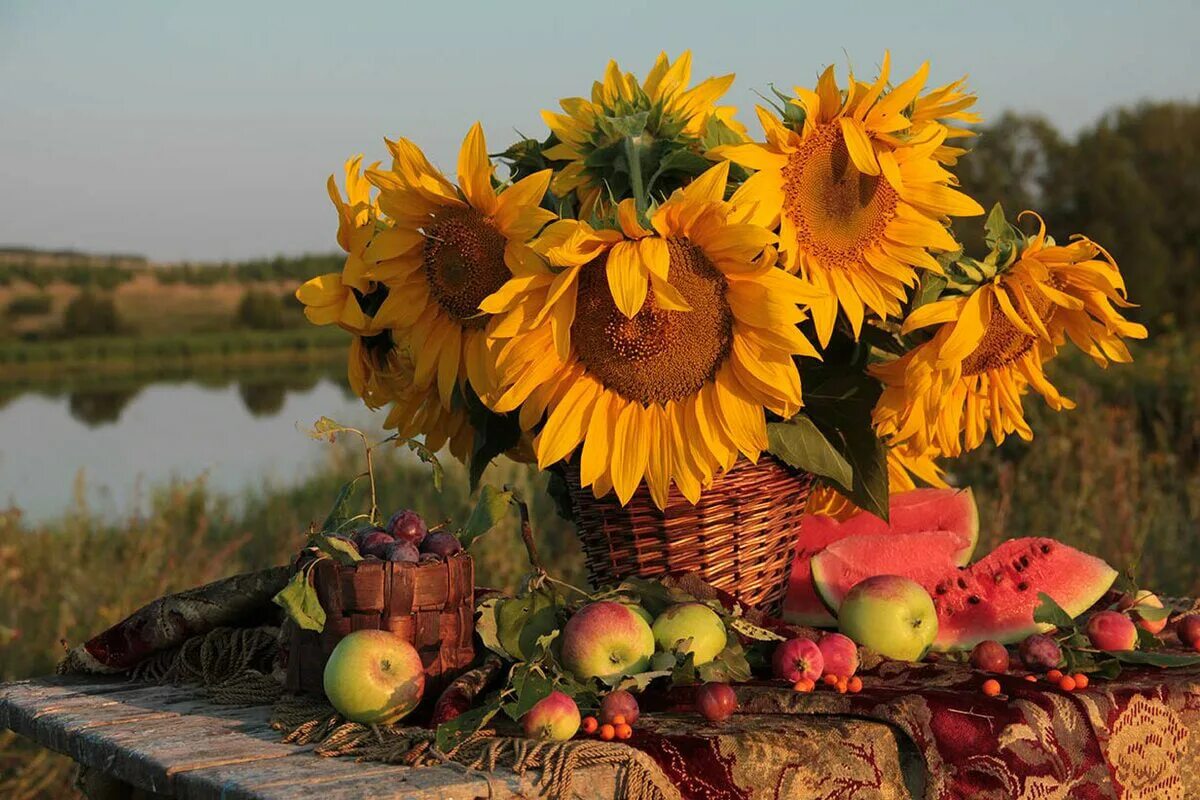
837	211
464	263
1002	342
659	355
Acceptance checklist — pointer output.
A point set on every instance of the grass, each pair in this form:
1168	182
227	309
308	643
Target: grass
1119	477
33	361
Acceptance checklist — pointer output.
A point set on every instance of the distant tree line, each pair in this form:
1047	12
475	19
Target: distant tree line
1131	182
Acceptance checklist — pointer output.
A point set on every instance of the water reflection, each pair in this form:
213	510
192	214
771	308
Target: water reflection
101	406
100	400
239	427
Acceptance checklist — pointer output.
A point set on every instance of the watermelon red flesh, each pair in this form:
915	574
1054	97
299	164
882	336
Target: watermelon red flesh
909	512
996	597
924	557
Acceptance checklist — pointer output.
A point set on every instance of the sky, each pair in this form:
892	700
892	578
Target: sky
205	131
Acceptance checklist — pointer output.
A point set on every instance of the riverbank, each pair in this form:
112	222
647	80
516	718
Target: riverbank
36	363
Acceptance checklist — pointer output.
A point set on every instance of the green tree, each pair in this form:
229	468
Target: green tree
91	314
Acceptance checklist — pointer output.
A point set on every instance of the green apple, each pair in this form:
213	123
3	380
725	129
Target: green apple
891	615
605	640
374	677
690	628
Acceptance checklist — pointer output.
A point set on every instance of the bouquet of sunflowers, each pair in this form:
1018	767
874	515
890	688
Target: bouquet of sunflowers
652	293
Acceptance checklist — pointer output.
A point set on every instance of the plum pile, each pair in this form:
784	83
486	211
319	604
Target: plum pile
406	539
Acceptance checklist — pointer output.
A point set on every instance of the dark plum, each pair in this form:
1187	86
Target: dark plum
442	544
360	534
375	544
402	552
1189	630
716	701
1040	653
408	526
990	656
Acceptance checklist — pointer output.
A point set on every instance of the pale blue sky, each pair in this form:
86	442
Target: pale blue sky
205	130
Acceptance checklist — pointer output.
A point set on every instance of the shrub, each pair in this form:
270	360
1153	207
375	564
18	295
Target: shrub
91	314
30	305
260	310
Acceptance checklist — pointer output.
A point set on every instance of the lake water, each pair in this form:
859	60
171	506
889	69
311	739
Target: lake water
111	440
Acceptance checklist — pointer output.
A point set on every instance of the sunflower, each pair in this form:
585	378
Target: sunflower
858	193
904	465
338	297
591	133
658	348
382	374
991	343
448	248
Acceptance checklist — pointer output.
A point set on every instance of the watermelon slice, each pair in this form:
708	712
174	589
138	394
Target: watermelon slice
996	597
924	557
910	512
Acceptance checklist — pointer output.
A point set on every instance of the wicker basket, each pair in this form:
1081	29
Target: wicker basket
740	537
431	605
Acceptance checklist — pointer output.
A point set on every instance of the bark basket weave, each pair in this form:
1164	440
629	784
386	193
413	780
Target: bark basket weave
740	537
431	605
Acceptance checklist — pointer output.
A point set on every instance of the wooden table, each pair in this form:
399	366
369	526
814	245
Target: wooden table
147	741
166	741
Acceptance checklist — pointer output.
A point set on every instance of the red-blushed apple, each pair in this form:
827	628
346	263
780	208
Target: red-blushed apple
1111	630
606	639
690	628
554	718
891	615
840	654
716	701
796	659
374	677
1149	600
619	703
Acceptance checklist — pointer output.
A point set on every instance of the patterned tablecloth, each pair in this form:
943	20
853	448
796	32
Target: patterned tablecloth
1136	738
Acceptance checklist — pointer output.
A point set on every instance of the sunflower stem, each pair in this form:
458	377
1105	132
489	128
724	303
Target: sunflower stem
634	157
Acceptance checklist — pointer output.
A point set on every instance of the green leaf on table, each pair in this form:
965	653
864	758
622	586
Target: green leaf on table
800	443
1152	613
456	730
1048	612
1155	659
492	506
299	599
341	514
529	686
730	666
684	673
639	682
1147	640
752	631
487	625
